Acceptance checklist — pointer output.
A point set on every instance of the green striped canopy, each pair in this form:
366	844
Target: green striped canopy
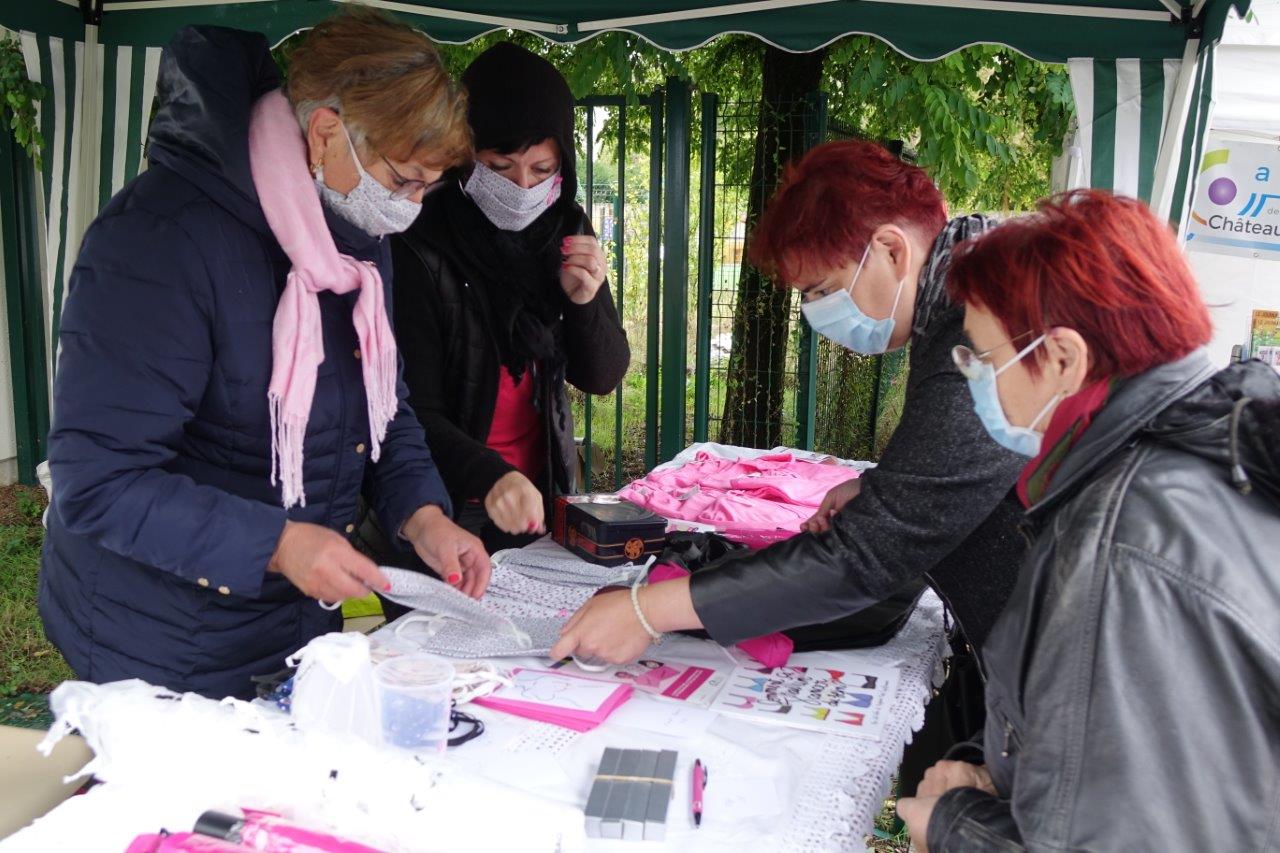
1141	71
922	29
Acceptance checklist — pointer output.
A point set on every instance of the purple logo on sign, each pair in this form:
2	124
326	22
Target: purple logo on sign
1222	191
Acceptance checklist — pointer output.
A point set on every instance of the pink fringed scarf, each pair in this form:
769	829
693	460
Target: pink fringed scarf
278	161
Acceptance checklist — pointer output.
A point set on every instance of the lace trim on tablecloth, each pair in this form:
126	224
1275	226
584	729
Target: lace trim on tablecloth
842	792
543	737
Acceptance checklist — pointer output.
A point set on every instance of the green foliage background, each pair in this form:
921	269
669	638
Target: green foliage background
985	121
18	96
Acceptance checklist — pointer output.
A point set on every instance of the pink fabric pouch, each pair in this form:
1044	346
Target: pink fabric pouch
769	650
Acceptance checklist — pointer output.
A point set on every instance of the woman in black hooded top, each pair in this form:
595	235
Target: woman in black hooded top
501	298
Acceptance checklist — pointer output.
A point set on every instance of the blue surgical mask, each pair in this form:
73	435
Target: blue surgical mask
839	319
986	401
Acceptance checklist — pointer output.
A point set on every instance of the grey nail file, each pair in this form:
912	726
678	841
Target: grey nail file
655	822
615	804
600	791
636	808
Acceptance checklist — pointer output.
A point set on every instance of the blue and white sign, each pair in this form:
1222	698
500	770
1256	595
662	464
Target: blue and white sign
1237	203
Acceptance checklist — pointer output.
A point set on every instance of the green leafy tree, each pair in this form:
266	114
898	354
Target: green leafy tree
753	407
18	97
985	122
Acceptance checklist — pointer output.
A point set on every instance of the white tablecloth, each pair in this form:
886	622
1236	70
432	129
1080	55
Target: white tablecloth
770	787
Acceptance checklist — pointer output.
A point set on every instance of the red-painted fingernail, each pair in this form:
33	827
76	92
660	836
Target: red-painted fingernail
455	577
386	587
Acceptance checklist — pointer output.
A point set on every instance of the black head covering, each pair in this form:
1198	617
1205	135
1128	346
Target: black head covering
515	98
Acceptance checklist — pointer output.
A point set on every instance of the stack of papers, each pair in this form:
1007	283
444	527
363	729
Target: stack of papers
565	700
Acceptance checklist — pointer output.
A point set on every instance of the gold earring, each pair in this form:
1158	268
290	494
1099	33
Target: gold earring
315	169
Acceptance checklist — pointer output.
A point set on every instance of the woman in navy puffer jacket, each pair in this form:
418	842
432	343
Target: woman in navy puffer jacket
172	555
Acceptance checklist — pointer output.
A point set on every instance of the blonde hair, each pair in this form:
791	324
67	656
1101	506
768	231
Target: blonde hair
387	82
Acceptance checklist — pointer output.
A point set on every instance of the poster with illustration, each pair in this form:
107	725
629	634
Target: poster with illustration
666	679
852	701
1264	337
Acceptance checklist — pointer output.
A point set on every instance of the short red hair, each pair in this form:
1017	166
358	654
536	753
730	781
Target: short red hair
833	198
1104	266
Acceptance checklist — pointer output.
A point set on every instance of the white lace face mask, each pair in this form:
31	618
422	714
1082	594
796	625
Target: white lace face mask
369	206
446	622
505	203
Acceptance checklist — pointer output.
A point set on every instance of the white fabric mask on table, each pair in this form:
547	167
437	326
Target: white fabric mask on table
446	622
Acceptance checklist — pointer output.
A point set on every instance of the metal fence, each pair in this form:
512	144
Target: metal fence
755	365
722	354
620	175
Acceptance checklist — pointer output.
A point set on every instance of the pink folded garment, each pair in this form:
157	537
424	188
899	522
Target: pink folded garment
727	510
775	492
770	650
802	488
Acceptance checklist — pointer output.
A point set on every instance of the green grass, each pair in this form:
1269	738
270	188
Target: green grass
28	663
890	835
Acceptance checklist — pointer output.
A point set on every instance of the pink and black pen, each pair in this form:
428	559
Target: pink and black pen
699	785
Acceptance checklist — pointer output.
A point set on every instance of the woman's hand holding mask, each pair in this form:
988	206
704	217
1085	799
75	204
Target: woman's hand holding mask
323	564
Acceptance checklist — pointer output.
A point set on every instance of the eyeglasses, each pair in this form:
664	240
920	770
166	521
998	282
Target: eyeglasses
406	187
971	364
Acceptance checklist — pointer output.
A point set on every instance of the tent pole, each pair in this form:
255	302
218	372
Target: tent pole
1175	128
90	152
675	267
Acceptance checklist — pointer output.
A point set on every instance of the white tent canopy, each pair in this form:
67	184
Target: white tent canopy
1247	88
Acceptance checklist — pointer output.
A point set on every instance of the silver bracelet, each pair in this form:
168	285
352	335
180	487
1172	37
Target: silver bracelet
644	623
